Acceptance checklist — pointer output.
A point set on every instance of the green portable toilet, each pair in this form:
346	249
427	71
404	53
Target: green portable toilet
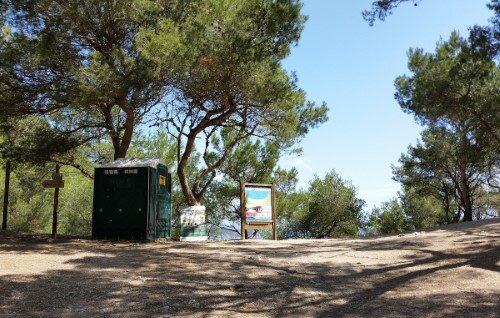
132	200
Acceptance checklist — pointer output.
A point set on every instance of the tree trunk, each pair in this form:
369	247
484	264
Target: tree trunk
186	190
445	199
121	150
446	204
122	147
6	195
465	196
119	153
115	140
181	173
467	208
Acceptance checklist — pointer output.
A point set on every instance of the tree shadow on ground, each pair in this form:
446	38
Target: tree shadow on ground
252	279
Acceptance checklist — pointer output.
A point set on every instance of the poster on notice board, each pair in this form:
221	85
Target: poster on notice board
258	204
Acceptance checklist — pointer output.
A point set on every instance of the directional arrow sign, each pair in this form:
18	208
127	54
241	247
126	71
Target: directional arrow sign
53	183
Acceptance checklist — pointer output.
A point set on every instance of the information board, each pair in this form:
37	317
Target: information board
258	204
258	208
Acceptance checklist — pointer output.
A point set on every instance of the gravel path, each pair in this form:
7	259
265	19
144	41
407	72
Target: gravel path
453	271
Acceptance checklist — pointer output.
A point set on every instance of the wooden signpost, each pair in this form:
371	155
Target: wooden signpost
56	182
6	196
258	208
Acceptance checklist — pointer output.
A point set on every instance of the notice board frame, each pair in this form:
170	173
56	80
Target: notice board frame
257	225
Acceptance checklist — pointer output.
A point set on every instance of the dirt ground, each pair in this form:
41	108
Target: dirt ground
453	271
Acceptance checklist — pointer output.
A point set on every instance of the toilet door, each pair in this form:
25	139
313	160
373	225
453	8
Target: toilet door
164	203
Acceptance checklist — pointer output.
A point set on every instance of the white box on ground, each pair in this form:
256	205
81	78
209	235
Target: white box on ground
193	227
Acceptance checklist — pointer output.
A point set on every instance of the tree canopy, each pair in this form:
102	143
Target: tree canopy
455	92
382	8
447	166
231	86
458	83
207	71
333	209
78	66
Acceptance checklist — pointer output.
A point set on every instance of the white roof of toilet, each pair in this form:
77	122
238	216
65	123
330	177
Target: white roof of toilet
133	163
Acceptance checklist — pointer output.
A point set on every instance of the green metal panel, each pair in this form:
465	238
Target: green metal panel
200	230
164	202
120	204
132	202
152	204
193	222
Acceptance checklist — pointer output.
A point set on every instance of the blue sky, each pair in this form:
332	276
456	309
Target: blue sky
351	66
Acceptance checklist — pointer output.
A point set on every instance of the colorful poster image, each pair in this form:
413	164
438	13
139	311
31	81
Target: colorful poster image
258	207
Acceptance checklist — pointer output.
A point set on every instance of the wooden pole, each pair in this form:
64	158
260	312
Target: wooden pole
6	196
56	204
275	225
242	207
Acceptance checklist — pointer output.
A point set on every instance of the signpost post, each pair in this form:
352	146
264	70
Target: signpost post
6	196
56	182
258	207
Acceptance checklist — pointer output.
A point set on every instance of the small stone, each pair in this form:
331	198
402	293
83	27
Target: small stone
240	288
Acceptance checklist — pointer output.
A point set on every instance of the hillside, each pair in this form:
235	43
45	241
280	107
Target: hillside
453	271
